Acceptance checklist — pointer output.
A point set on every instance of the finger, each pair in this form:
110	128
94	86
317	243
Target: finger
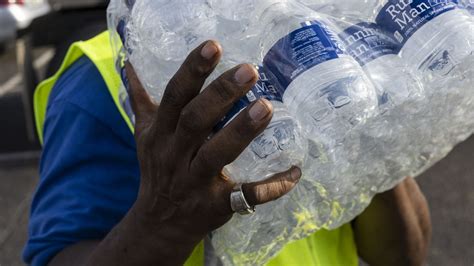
228	143
201	115
272	188
142	104
187	83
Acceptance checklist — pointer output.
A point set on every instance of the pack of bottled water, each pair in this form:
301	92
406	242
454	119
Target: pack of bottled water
365	93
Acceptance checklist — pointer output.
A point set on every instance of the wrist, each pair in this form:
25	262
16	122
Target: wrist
137	241
155	211
173	232
140	239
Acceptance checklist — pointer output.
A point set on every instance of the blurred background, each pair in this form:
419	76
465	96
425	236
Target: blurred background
34	37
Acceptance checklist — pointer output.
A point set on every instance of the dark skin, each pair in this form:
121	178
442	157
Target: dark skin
183	195
396	227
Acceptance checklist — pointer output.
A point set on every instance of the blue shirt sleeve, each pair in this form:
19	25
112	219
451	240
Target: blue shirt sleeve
89	174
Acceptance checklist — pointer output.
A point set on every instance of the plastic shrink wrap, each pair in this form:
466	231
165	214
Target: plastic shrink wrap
365	94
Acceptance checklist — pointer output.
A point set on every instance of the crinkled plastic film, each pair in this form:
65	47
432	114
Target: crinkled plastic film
411	108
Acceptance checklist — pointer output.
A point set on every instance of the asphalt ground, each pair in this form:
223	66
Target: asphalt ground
448	186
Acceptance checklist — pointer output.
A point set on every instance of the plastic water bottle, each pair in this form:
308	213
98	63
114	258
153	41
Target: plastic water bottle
161	33
467	5
321	84
436	36
278	148
233	10
377	53
361	9
315	79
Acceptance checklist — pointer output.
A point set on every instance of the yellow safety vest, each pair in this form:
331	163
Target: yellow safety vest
326	248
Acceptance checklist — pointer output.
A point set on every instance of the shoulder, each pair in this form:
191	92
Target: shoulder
80	79
89	173
83	87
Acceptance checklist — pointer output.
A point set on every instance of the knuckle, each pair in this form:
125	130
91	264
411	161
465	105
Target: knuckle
265	193
190	121
225	90
173	94
205	161
246	129
195	67
271	191
283	187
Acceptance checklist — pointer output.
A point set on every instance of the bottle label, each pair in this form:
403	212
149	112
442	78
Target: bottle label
367	42
402	18
292	55
264	88
302	49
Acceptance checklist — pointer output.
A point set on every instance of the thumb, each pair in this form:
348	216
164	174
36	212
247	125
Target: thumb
142	104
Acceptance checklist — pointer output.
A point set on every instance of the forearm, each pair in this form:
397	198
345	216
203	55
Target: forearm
396	228
132	242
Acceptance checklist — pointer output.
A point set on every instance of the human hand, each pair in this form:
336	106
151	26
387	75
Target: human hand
405	211
182	188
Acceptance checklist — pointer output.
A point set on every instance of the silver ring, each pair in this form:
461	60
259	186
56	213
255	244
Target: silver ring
238	203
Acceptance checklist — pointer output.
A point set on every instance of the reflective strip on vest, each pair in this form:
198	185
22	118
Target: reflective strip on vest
323	248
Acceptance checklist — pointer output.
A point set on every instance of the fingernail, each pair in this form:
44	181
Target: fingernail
209	50
245	74
295	173
260	110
